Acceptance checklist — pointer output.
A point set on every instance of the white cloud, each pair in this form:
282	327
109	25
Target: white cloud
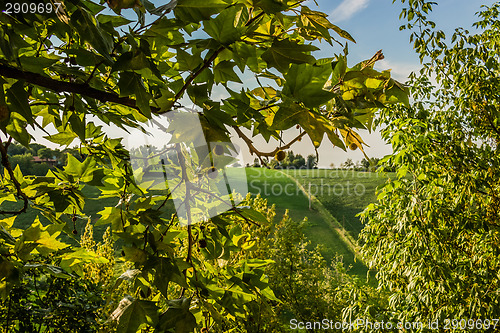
347	9
399	71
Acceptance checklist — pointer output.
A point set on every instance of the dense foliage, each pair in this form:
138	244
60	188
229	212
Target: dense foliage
74	65
433	235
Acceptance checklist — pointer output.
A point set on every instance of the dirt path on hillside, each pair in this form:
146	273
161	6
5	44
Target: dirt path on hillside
332	221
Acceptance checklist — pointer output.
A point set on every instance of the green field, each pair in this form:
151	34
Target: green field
343	193
271	184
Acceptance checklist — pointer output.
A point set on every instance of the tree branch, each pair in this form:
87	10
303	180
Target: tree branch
71	87
194	75
103	96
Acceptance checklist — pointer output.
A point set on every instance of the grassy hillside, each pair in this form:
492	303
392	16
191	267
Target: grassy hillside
283	192
269	183
345	193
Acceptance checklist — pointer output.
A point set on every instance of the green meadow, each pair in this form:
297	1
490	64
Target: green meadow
281	191
343	193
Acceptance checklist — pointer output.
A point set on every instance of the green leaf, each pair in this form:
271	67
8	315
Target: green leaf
6	236
188	62
77	122
270	6
113	216
227	27
248	55
75	167
48	244
339	69
198	10
44	237
239	239
79	169
317	20
166	31
37	64
9	277
258	263
85	57
136	313
131	84
59	200
127	83
290	114
396	94
322	24
254	215
224	72
62	138
85	255
9	221
165	272
342	33
178	318
5	46
305	83
115	20
89	30
282	53
135	254
131	61
75	261
17	129
17	101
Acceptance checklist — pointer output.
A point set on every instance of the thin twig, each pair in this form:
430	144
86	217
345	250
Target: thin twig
153	156
194	75
93	71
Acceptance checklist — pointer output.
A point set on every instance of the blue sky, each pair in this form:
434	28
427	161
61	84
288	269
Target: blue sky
375	25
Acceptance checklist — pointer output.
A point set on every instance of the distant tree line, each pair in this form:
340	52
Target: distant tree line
363	165
297	161
291	161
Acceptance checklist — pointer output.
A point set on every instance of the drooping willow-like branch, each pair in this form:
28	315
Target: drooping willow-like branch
259	153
